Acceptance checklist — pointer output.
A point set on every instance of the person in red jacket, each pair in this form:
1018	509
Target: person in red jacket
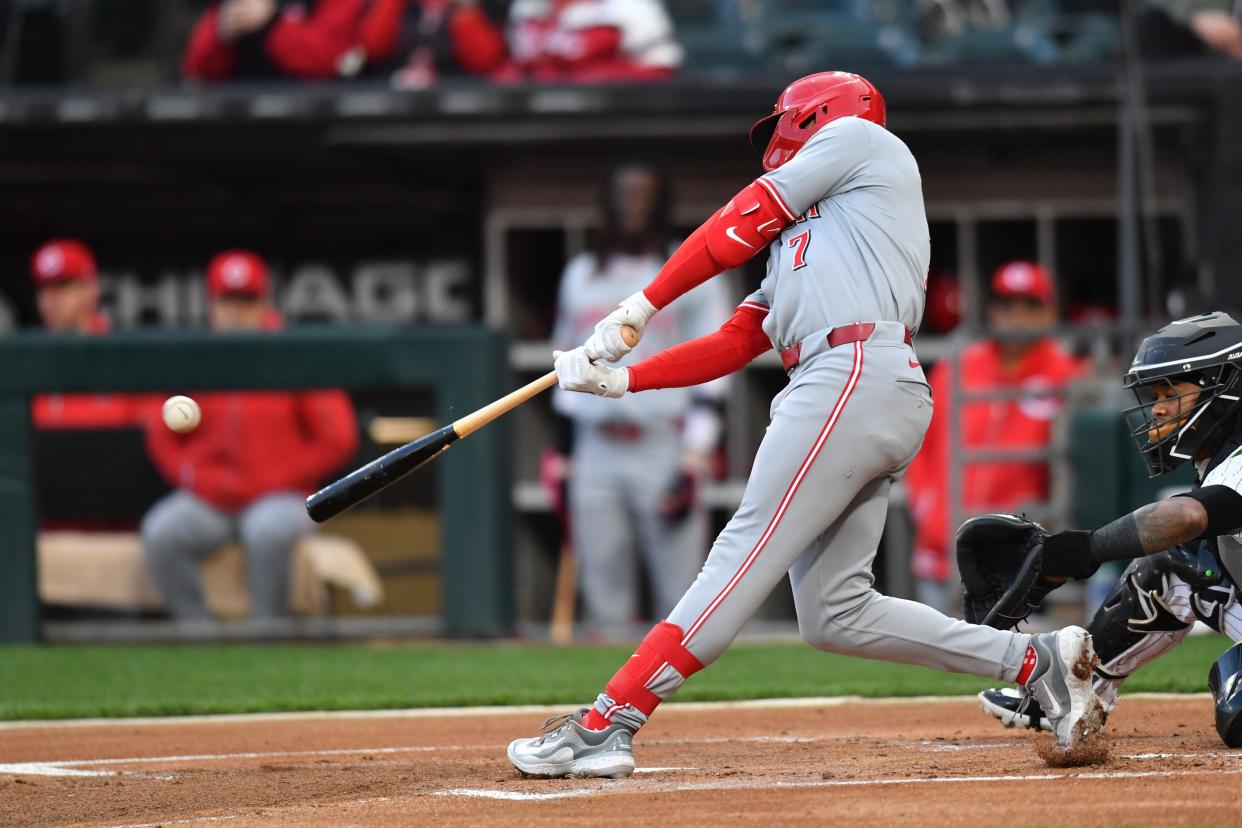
67	291
245	471
1023	357
257	39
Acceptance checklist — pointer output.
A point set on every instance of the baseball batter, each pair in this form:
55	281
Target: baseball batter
840	211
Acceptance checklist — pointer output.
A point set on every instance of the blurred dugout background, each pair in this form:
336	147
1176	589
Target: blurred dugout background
419	170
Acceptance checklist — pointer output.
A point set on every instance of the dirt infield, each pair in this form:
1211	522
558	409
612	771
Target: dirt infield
921	763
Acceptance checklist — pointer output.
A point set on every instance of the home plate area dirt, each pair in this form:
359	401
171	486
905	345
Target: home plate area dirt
845	762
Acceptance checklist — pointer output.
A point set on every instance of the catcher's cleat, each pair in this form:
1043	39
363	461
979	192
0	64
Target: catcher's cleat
1014	709
566	748
1061	684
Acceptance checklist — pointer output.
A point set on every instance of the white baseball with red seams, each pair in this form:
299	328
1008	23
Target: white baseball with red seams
182	414
844	429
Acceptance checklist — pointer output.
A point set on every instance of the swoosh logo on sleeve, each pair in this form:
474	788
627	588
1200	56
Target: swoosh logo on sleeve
731	232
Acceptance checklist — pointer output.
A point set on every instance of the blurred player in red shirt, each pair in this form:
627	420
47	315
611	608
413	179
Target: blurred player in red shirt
1024	357
589	41
245	471
67	290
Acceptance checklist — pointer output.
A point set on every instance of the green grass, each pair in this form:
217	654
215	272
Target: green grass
51	682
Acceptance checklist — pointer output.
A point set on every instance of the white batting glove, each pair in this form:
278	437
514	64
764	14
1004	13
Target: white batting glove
577	373
607	343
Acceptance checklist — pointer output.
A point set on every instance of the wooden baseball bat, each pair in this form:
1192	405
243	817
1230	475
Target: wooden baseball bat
384	471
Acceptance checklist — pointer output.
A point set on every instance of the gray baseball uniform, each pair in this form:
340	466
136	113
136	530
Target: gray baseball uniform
849	422
628	452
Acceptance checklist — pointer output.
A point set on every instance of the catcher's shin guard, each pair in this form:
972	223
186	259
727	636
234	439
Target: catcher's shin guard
1225	682
1152	609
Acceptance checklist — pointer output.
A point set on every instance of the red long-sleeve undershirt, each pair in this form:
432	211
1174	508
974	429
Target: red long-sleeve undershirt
710	357
728	239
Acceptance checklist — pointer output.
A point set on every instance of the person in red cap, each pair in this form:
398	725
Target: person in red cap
67	285
67	292
245	472
1021	357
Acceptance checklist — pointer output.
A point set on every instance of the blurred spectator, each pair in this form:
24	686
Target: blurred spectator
657	447
257	39
943	310
1022	357
436	37
67	288
589	41
1171	28
245	471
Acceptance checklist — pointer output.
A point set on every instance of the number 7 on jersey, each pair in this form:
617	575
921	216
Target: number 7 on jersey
800	243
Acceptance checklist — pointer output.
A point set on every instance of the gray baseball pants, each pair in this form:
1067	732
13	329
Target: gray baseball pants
616	491
182	529
846	426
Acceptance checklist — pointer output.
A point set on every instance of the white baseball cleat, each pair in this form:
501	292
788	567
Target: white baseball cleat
566	748
1061	683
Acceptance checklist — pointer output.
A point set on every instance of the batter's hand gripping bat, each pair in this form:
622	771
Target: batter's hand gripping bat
384	471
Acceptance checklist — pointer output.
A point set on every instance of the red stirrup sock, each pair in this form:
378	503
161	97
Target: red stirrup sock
626	697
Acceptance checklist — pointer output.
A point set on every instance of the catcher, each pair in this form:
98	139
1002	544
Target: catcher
1187	377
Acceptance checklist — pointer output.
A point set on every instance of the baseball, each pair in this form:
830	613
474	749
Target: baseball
182	414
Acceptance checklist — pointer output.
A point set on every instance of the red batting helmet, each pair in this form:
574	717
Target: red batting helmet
808	105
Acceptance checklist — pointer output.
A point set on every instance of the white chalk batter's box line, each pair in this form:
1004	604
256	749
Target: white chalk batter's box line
676	787
74	767
77	767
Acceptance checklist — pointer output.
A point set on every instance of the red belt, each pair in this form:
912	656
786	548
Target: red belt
841	335
620	431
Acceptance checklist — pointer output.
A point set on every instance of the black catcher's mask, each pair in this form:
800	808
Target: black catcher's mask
1203	350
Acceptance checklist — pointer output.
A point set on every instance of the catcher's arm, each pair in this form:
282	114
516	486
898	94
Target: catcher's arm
1009	564
1204	512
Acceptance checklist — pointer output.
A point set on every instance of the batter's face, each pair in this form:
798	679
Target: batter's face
635	192
237	313
1174	403
68	307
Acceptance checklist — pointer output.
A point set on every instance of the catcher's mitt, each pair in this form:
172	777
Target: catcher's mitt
1000	558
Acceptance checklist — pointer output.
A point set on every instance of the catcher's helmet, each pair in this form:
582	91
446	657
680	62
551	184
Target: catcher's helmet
806	106
1204	350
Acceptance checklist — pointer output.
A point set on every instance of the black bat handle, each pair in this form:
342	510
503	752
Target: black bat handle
377	475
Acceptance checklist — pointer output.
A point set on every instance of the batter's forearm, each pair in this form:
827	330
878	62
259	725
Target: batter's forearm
707	358
690	265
